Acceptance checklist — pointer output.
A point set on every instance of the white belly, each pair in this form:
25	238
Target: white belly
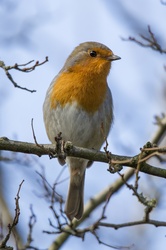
81	128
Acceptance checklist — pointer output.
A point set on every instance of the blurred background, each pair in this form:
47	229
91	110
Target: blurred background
36	29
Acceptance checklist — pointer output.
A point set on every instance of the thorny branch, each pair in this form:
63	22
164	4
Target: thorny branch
23	68
149	41
15	220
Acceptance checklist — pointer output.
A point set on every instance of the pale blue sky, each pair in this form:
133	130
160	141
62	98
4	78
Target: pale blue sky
35	29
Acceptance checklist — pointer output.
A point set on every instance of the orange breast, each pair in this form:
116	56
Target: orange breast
85	86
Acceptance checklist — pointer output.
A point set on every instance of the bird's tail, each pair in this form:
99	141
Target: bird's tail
75	200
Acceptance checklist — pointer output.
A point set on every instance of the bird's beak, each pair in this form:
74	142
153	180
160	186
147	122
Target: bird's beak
113	57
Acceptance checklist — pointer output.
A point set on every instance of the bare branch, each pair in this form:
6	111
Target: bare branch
49	192
15	220
32	222
149	204
134	223
92	155
22	68
148	41
70	229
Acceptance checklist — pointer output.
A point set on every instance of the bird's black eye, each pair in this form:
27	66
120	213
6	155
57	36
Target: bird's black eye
93	53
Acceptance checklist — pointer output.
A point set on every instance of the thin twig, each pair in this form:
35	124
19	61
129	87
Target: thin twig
16	218
22	68
148	42
133	223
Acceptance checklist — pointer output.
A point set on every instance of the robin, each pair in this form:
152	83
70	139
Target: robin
79	104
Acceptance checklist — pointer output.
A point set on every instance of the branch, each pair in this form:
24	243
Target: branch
15	220
89	207
65	229
32	222
134	223
160	121
90	154
104	196
6	217
22	68
148	42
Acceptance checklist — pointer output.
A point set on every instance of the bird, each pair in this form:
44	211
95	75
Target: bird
78	104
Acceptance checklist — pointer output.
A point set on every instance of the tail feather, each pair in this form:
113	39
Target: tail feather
75	200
